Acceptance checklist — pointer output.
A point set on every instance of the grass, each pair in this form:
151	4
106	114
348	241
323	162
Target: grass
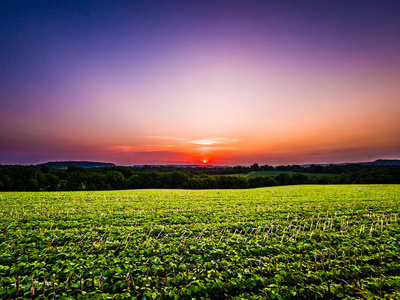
275	173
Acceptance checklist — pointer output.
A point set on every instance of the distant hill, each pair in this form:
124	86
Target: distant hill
378	162
82	164
382	162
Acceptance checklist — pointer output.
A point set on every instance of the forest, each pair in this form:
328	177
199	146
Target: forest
73	178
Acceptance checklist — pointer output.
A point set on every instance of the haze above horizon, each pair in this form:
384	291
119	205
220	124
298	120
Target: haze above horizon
180	82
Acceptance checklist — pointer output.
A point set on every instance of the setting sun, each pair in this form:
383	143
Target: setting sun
204	161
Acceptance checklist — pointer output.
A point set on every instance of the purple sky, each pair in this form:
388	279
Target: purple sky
227	82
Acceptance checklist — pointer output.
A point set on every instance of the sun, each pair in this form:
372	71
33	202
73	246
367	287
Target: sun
204	161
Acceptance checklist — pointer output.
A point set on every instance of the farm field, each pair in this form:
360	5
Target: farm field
275	173
288	242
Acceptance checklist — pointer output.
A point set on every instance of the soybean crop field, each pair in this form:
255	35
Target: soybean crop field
293	242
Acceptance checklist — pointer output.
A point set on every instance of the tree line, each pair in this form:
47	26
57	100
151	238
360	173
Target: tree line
28	178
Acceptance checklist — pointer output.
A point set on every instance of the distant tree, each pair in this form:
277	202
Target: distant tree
266	168
386	178
44	169
255	167
296	168
240	170
134	182
298	178
76	169
5	180
115	180
51	182
283	179
262	181
282	168
231	182
96	181
125	171
258	181
272	181
175	179
203	181
75	181
321	179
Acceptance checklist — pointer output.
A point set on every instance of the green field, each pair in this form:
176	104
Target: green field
275	173
292	242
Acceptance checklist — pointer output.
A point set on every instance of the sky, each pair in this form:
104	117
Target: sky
199	82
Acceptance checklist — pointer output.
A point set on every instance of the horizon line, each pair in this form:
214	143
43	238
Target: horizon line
199	165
